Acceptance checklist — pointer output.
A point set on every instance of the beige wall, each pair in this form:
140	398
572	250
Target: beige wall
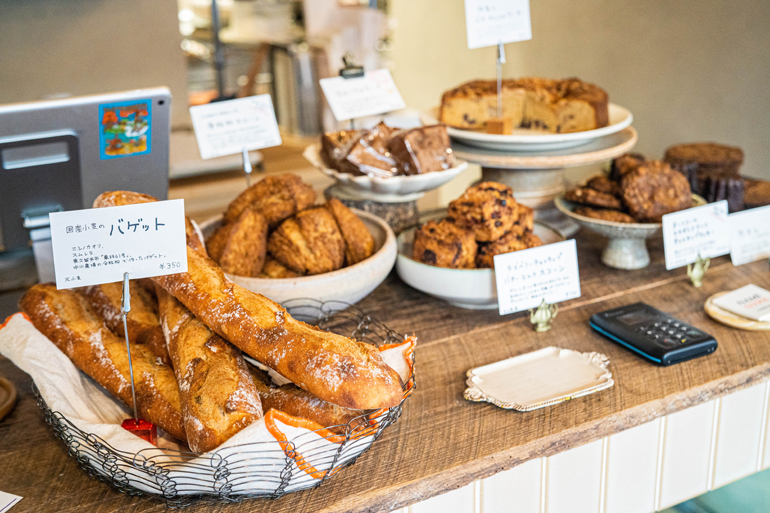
79	47
689	70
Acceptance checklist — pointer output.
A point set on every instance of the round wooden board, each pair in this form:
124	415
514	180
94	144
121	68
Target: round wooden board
731	319
601	150
7	397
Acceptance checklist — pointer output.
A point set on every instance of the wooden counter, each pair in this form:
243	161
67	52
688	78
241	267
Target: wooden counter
442	443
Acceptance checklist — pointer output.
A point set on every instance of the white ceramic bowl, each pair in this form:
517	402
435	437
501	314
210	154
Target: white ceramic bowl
464	288
533	140
349	284
384	189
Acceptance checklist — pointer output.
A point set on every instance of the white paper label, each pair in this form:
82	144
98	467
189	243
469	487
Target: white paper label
351	98
7	501
491	22
700	230
524	278
225	128
749	235
750	301
98	245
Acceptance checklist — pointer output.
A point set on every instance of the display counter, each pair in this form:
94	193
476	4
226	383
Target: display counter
659	436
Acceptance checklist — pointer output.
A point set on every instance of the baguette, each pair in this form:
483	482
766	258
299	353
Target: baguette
66	319
298	403
218	395
334	368
142	321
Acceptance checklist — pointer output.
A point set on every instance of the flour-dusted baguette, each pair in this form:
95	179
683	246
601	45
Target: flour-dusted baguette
299	403
218	395
332	367
66	319
142	321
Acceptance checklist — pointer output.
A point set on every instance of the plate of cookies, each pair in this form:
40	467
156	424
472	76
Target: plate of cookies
450	255
537	114
627	206
273	239
386	161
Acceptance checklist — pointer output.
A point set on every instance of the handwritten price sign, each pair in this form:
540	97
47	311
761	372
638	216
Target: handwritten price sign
98	245
351	98
700	230
491	22
750	235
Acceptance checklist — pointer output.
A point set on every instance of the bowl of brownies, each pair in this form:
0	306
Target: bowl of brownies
387	161
450	255
627	206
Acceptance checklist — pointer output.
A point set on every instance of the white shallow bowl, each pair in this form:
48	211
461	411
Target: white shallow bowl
349	284
532	140
383	189
464	288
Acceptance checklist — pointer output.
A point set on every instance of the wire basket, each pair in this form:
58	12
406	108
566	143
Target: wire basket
264	469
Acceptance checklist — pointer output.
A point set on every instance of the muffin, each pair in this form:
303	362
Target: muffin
508	243
359	243
444	244
487	209
654	189
275	197
308	243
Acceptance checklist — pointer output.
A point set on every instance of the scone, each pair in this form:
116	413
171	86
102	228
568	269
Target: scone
275	269
654	189
604	215
359	243
603	184
591	197
240	247
525	220
444	244
487	209
508	243
309	243
275	197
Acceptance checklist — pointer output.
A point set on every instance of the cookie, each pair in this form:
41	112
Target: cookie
508	243
359	243
625	163
604	215
444	244
591	197
275	197
654	189
487	209
603	184
308	243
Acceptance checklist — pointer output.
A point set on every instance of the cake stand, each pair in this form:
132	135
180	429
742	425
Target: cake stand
536	177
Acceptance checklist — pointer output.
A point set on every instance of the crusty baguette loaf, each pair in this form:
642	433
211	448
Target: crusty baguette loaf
218	395
142	321
335	368
299	403
66	319
122	198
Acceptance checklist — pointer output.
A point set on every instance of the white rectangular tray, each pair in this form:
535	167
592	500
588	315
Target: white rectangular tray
541	378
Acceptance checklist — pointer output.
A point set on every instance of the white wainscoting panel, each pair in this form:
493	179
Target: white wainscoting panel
516	491
739	435
687	451
574	480
456	501
632	465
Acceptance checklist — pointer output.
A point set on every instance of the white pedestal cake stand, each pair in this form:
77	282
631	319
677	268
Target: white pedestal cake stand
536	177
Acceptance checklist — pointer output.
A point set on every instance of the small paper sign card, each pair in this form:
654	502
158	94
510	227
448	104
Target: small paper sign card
351	98
699	230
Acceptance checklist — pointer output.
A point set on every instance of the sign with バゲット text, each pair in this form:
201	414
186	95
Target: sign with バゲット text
229	127
524	278
696	231
749	235
351	98
98	245
491	22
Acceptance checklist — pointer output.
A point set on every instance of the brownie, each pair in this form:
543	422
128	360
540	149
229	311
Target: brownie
368	154
508	243
422	150
604	214
603	184
487	209
444	244
654	189
591	197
